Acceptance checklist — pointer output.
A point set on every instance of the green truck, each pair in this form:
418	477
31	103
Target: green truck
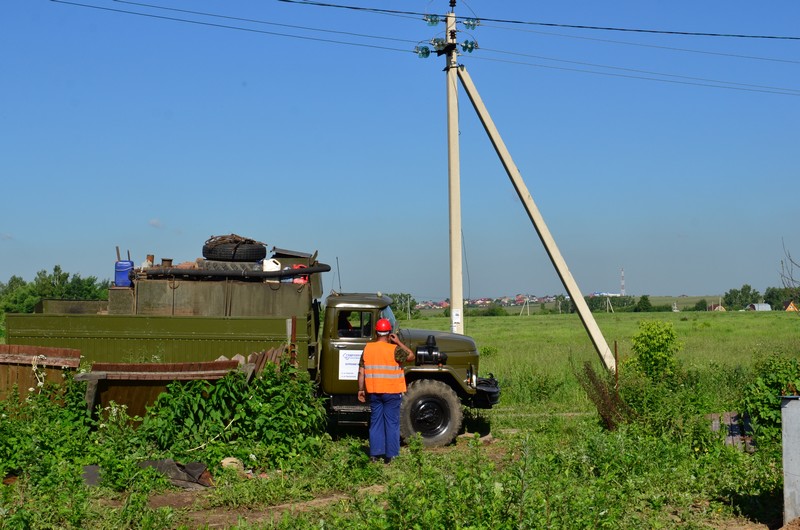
239	303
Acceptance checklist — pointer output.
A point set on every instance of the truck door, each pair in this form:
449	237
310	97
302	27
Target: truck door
352	332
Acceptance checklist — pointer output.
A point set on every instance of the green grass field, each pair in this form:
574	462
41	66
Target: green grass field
543	349
551	464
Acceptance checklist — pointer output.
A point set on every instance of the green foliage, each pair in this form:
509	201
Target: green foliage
701	305
736	299
488	351
117	447
601	303
40	433
529	387
664	469
404	306
19	296
643	305
775	376
274	418
777	296
494	309
655	347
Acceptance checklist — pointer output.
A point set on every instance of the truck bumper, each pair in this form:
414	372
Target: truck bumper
488	392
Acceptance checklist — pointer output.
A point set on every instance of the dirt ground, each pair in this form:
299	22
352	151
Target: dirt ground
196	514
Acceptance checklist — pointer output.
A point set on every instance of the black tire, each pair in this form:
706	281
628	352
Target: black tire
235	252
432	409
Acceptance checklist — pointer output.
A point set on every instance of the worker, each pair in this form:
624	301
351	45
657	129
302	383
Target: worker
344	326
381	375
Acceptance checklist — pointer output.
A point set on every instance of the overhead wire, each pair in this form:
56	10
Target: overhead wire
550	24
258	21
640	71
642	45
415	14
225	26
677	78
642	30
629	76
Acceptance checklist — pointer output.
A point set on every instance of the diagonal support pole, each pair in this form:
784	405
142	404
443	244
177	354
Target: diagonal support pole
536	218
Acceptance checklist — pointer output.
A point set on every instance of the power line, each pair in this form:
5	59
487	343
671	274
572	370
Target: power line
356	8
712	83
550	24
627	76
650	72
224	26
257	21
641	30
642	45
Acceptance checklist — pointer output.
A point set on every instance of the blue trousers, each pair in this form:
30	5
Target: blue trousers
384	425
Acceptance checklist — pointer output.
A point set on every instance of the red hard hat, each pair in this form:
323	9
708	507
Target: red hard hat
383	326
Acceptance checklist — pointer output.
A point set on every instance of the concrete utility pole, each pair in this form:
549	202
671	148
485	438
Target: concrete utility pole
454	174
453	71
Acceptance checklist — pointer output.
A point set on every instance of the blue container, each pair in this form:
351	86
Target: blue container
121	273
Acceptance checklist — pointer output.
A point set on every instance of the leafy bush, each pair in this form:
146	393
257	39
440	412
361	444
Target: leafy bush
276	417
488	351
775	376
48	427
654	348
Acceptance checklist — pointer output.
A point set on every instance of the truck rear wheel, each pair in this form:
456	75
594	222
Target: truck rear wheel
432	409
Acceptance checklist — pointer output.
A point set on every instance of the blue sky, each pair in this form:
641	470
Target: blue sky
153	135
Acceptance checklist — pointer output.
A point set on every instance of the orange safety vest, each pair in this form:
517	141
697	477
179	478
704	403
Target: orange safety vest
382	374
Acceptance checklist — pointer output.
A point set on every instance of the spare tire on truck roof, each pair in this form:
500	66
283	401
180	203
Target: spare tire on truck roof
233	248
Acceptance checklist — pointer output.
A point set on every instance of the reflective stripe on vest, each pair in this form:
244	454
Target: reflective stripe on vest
382	374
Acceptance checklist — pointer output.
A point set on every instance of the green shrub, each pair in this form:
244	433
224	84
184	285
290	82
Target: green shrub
775	376
274	418
654	348
488	351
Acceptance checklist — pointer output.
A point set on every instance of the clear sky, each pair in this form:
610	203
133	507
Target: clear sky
674	157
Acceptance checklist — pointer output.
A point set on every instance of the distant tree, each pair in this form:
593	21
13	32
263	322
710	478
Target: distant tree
777	296
19	296
701	305
404	305
563	305
643	305
494	310
21	299
736	299
601	303
595	303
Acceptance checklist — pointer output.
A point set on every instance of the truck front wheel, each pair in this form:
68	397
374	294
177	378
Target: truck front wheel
432	409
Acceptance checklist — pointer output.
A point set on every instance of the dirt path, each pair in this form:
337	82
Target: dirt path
197	514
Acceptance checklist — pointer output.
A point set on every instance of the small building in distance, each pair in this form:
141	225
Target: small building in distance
790	306
759	307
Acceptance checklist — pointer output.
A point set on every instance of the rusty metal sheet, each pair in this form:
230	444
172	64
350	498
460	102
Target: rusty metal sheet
26	366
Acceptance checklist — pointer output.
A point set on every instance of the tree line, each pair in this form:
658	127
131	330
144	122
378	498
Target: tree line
19	296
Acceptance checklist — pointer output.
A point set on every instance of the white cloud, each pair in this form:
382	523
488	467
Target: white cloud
5	237
156	223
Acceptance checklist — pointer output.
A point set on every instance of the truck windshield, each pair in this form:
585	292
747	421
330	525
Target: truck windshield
386	313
